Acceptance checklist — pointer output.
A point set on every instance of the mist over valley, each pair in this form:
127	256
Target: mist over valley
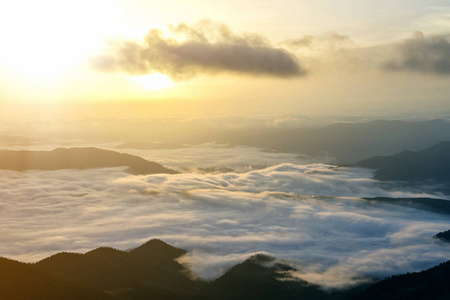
337	226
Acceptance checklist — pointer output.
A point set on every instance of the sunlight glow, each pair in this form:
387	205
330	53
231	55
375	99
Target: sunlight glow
42	40
153	81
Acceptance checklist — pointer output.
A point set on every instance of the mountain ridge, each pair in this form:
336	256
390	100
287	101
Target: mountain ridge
345	143
77	158
431	163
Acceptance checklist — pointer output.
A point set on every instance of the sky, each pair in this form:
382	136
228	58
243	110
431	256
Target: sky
220	58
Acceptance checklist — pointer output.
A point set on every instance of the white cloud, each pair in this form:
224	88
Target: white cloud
310	215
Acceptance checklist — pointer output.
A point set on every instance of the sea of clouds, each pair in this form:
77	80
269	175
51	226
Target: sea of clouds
309	215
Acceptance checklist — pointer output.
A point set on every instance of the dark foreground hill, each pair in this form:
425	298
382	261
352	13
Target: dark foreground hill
430	164
147	272
104	273
431	284
77	158
259	277
20	281
151	271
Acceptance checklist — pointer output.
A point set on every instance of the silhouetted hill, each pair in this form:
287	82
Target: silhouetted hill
445	236
430	164
260	278
147	272
150	267
152	272
431	284
157	249
20	281
351	142
77	158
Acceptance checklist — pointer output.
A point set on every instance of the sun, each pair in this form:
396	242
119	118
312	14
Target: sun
153	81
47	46
41	40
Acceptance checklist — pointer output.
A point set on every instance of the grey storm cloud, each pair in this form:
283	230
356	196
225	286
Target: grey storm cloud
308	215
422	54
204	47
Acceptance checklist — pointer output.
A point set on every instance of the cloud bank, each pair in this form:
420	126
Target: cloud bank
308	215
204	47
422	54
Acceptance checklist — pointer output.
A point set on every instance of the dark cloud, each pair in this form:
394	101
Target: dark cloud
422	54
204	47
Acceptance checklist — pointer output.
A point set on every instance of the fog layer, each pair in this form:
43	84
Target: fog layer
310	215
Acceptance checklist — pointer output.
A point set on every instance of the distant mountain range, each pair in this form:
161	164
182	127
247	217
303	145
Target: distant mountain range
350	142
77	158
340	143
152	272
430	164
